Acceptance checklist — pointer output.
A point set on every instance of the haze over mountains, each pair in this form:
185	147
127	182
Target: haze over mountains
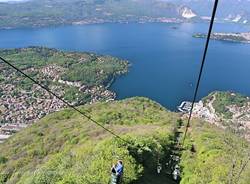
36	13
228	10
12	0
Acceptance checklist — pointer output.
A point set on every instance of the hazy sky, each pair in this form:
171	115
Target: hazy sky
10	0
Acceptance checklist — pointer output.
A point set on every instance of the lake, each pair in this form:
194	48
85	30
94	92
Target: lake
165	58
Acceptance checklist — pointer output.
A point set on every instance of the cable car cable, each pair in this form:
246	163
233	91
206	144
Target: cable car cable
201	68
64	101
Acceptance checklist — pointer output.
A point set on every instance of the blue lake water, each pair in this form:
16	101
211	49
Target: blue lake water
165	57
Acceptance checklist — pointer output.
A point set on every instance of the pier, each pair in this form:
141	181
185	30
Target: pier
185	107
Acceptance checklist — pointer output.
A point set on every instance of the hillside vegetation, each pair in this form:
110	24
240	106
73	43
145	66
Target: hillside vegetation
87	68
37	13
222	101
214	155
78	77
65	148
226	110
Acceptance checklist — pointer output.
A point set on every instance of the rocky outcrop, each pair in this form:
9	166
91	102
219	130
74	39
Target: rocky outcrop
187	13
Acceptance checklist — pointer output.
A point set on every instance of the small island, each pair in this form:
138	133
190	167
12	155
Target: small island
232	37
77	77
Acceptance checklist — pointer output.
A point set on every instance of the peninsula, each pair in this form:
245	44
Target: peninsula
232	37
77	77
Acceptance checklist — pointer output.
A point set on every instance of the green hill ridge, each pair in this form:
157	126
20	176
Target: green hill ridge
65	148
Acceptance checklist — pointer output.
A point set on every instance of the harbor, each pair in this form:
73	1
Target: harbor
185	107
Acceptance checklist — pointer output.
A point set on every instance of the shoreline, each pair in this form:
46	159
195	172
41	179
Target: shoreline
243	37
55	26
82	23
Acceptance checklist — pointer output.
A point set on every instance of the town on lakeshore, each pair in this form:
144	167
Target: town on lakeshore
224	109
22	102
232	37
98	92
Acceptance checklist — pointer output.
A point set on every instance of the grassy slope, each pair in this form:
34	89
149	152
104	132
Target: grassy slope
214	156
65	148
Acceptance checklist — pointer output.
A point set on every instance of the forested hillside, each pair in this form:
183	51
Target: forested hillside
226	110
77	77
214	156
36	13
65	148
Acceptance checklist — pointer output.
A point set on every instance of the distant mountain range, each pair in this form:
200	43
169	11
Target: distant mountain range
37	13
229	10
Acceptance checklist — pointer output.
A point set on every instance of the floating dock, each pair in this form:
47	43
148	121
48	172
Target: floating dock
185	107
